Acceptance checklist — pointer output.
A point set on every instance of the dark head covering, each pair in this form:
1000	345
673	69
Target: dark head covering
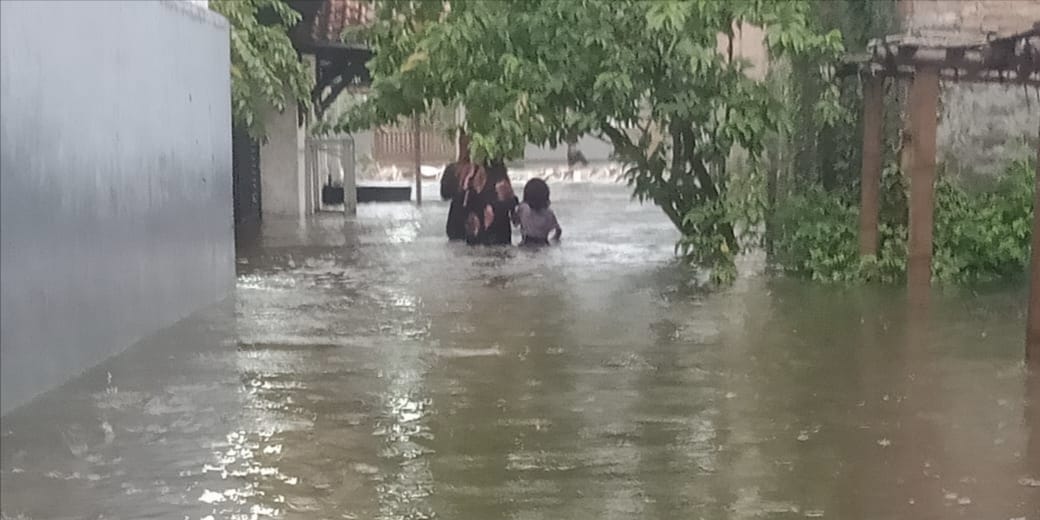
496	171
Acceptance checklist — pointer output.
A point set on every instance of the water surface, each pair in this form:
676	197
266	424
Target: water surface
368	370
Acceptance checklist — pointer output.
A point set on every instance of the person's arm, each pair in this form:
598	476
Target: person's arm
557	231
516	215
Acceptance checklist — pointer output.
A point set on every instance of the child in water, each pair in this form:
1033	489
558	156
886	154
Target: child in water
534	217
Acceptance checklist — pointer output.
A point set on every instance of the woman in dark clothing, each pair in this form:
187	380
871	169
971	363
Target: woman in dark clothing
498	194
453	189
477	205
496	171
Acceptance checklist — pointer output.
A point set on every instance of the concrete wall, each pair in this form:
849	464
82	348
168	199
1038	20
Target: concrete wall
977	16
115	191
283	181
981	126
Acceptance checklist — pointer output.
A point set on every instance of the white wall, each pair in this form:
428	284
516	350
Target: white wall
283	165
115	180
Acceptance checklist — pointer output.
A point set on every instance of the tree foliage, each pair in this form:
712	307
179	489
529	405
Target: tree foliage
266	70
646	76
823	145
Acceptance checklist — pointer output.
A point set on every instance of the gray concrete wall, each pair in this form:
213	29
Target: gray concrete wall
283	182
115	180
983	126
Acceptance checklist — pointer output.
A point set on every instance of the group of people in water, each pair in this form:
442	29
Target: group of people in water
484	209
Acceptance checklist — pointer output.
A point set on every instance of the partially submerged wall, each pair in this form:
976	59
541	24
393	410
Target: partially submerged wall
115	205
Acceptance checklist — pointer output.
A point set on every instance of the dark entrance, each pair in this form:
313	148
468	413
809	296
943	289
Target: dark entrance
245	181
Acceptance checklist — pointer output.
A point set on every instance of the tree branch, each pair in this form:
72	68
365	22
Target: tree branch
620	140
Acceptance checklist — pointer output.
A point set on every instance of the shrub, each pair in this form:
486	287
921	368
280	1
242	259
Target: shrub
979	236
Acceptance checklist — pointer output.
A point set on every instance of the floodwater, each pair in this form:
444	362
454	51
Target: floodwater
370	370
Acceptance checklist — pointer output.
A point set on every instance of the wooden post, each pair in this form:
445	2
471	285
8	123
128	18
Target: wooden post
462	147
1033	321
924	102
417	144
870	175
348	165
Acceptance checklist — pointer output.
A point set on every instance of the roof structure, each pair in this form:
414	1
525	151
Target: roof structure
324	21
1012	58
338	64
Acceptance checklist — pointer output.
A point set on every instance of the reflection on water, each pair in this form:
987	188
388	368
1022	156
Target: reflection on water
370	370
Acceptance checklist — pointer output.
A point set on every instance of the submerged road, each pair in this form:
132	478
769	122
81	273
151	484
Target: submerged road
370	370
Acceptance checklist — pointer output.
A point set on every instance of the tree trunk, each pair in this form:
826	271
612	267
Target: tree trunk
672	181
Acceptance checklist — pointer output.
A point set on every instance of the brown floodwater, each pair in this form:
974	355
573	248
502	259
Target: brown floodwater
369	370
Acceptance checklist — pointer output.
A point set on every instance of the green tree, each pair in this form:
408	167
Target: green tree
266	71
827	150
647	76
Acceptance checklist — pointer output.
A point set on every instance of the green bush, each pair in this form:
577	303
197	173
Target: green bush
979	236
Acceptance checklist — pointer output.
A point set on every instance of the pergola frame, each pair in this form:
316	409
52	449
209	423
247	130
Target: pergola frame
925	59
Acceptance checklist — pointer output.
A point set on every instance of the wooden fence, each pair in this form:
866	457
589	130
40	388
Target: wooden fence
395	146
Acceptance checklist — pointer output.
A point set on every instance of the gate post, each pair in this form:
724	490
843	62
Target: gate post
348	165
416	142
1033	321
924	102
870	175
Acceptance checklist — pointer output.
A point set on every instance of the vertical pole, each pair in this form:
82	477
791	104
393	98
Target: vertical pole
462	144
924	102
301	170
307	183
463	147
347	165
319	160
1033	326
416	135
870	175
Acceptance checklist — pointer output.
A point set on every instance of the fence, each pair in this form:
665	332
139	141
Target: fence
395	146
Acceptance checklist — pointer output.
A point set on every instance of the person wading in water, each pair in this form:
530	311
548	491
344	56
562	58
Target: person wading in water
453	188
534	217
478	201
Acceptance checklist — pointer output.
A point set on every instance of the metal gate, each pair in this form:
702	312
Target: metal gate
245	179
331	174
